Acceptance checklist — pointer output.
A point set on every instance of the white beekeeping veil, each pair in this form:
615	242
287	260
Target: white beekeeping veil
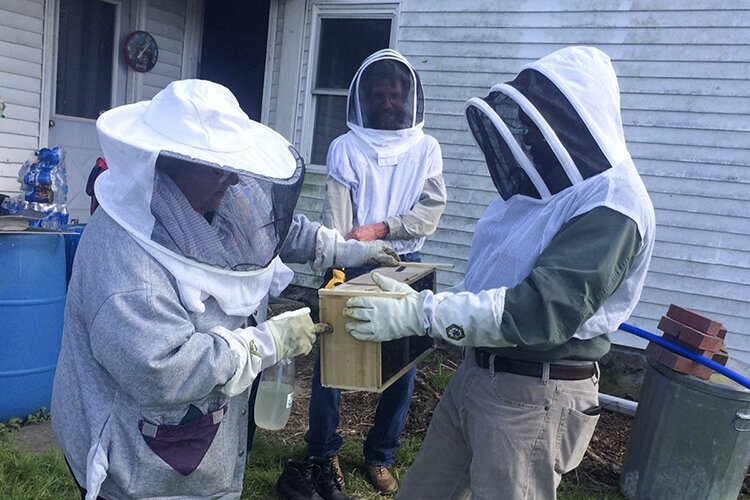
555	125
385	107
205	190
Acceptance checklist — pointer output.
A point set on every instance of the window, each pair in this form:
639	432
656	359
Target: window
85	57
343	44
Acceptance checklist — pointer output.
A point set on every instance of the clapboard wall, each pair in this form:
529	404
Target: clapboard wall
21	43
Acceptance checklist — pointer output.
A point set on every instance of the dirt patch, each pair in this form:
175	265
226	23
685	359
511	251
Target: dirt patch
599	472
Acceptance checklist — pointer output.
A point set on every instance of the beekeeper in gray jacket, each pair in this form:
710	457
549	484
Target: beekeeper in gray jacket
151	392
557	263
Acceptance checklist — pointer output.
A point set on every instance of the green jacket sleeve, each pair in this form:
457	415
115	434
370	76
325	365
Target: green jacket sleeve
580	268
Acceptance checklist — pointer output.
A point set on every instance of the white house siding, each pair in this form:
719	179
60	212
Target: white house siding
683	69
165	20
21	39
277	38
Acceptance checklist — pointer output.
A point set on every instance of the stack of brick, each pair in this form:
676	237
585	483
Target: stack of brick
695	333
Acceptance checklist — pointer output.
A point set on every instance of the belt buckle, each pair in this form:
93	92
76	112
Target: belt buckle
491	363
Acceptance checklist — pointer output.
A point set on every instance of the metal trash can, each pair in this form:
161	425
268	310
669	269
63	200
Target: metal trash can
690	439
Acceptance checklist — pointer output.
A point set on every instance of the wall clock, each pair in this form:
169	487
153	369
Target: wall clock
141	51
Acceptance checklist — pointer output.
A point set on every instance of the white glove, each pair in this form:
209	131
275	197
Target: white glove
468	319
353	253
293	333
253	349
331	250
378	253
379	319
464	319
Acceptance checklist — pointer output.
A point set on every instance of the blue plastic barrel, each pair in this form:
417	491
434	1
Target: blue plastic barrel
32	302
73	236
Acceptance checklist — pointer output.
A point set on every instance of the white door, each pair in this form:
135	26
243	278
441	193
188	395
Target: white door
90	78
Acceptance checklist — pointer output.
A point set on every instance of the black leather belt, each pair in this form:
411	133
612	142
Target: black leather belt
535	369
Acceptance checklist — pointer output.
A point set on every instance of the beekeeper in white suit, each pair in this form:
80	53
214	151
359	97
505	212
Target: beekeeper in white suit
385	181
150	397
556	264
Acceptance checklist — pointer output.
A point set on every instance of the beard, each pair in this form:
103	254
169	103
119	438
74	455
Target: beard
389	120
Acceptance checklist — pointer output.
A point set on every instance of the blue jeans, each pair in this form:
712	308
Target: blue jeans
390	415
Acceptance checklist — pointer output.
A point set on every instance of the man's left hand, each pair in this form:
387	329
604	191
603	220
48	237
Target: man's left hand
370	232
378	319
378	253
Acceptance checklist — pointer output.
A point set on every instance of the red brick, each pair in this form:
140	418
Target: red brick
684	365
721	357
689	337
653	351
700	340
670	326
694	320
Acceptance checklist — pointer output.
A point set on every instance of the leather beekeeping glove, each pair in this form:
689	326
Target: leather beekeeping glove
255	348
379	319
331	250
378	253
464	319
293	332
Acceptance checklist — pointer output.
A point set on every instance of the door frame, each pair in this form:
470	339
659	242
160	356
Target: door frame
137	17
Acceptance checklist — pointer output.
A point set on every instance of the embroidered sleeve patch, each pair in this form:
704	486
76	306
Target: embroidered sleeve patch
454	332
254	351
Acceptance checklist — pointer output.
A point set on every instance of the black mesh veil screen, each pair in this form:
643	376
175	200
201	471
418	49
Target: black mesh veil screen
564	120
223	217
507	175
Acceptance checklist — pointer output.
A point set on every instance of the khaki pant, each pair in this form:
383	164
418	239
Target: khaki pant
502	436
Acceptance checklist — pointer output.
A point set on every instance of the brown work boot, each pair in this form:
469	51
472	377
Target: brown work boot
338	474
382	479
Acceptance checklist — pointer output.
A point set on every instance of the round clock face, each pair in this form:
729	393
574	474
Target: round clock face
141	52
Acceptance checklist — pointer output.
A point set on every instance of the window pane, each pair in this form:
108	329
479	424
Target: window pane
84	60
330	122
344	44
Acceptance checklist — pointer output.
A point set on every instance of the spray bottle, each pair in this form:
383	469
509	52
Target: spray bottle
273	403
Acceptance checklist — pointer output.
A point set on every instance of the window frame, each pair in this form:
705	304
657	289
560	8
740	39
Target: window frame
321	11
119	72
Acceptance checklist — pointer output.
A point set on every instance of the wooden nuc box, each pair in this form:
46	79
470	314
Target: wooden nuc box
348	363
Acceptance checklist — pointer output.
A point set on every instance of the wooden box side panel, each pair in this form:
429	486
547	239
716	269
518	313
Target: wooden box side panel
345	362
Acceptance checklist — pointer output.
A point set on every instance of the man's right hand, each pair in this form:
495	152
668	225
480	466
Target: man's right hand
293	332
370	232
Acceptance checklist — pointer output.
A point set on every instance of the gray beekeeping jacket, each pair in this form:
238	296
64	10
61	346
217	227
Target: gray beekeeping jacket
131	352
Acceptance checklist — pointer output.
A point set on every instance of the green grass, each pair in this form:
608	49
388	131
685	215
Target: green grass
25	475
439	379
44	476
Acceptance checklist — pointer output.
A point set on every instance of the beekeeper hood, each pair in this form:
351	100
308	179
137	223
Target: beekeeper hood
206	191
385	107
554	145
554	126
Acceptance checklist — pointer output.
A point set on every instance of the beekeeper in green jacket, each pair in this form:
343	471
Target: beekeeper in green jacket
557	262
